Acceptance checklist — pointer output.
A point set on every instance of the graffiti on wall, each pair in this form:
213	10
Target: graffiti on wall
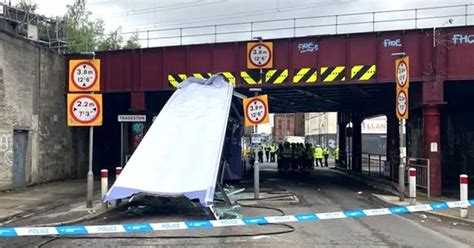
6	157
137	134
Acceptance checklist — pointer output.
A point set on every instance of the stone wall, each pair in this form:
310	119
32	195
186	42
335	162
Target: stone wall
33	102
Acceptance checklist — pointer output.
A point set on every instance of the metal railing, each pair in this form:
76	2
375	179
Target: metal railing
429	17
422	166
375	164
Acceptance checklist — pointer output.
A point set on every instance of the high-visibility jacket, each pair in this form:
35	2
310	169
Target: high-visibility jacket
273	149
337	153
325	151
318	152
286	153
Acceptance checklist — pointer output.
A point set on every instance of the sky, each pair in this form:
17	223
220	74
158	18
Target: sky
142	15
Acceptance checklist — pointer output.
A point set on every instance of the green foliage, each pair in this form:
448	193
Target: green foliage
27	6
86	35
132	42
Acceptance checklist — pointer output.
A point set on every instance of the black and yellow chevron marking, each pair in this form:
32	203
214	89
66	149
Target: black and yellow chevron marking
334	73
201	75
251	77
276	76
305	75
229	77
175	79
363	72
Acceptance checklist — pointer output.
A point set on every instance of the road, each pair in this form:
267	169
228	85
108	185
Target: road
324	190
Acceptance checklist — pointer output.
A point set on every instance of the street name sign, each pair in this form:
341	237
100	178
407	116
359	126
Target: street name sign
131	118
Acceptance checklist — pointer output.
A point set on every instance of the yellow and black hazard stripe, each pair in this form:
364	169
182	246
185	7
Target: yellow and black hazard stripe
305	75
229	77
175	79
251	77
363	72
275	76
202	75
334	73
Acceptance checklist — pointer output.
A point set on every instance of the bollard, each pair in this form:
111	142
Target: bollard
463	194
412	186
118	170
104	180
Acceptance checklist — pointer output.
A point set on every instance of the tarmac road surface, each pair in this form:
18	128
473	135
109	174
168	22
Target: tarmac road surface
324	190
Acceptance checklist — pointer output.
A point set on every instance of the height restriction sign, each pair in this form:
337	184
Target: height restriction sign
84	75
256	110
259	55
402	104
402	72
84	110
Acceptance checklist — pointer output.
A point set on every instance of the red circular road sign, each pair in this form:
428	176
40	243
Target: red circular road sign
402	73
84	109
402	103
256	111
260	55
84	75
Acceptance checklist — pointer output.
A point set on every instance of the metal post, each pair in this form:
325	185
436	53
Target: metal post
463	194
369	164
104	186
294	27
429	180
90	175
412	186
256	169
401	169
148	38
121	144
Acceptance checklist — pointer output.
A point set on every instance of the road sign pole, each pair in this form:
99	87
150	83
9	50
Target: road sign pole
256	167
401	169
121	144
90	175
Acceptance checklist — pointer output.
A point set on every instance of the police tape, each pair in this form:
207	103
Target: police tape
246	221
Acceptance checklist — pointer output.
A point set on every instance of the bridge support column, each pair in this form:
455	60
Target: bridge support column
357	145
432	145
342	161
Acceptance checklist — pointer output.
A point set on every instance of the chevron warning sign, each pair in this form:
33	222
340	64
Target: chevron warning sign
175	79
305	75
334	73
251	77
363	72
276	76
229	77
202	75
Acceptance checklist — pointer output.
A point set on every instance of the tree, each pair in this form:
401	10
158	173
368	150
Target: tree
112	42
84	35
27	6
133	42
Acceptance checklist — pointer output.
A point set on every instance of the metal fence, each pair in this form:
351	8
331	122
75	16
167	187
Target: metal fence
375	164
429	17
422	166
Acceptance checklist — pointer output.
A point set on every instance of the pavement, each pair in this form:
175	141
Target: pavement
48	204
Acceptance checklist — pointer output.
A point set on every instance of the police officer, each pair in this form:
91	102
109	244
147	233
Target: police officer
286	156
309	157
326	155
298	156
279	152
336	155
260	154
318	155
267	152
273	150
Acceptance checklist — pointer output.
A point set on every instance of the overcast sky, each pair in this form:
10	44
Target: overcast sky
133	15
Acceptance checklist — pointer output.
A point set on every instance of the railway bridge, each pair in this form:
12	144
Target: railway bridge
352	74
